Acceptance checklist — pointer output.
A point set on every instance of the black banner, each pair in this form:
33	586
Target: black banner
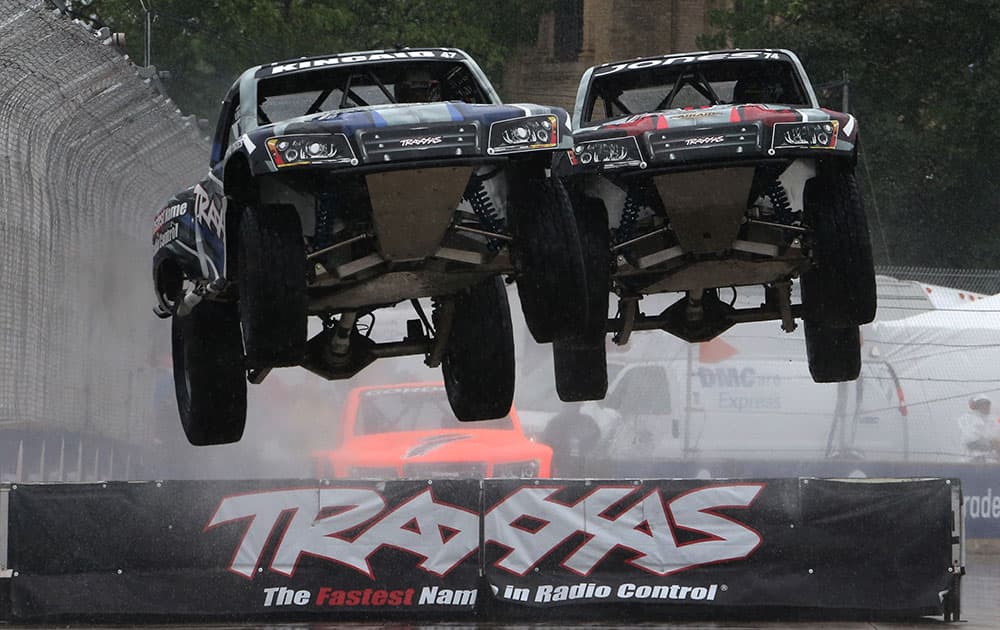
785	542
247	549
244	548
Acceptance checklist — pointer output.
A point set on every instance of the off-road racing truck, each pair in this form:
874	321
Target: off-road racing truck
704	172
406	430
342	184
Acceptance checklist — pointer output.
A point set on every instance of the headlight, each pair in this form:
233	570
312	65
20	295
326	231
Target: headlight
311	149
524	134
520	470
608	154
807	135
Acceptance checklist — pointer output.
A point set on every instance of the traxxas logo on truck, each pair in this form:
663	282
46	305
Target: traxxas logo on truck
420	142
348	526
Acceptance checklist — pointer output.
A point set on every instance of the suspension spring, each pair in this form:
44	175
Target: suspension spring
325	211
779	201
630	215
482	204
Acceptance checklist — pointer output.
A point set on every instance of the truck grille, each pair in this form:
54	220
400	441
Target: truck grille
449	470
687	143
373	472
393	144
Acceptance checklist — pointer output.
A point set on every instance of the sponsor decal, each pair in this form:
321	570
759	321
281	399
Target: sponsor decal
704	140
208	212
736	377
248	143
419	142
696	114
169	214
531	523
982	506
166	236
685	59
739	389
349	59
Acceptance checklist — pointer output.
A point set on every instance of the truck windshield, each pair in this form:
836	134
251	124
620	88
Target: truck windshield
386	410
693	85
332	89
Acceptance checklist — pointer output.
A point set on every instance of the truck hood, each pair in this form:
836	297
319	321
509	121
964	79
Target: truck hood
705	117
405	447
678	138
384	135
400	114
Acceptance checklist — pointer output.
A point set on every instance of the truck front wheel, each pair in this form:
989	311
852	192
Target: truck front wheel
272	279
546	250
840	288
209	374
580	359
834	354
478	364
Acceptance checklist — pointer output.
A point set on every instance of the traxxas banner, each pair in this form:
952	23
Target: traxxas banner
784	542
236	548
248	549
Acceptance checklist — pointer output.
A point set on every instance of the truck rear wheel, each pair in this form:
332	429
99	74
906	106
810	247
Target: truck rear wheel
840	289
581	369
272	278
209	374
478	364
834	354
546	250
580	360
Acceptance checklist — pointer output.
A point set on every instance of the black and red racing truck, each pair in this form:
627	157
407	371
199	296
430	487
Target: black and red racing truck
349	183
701	173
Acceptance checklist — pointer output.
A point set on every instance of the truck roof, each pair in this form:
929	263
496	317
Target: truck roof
360	57
708	55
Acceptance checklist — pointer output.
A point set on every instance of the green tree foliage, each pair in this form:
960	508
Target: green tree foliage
205	44
924	78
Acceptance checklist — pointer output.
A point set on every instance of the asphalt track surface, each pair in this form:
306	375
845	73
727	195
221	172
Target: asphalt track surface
980	611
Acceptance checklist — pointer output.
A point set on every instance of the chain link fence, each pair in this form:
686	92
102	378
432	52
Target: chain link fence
88	152
984	281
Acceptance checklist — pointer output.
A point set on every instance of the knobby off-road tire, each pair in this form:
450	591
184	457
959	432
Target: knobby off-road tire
209	373
580	360
272	279
834	354
478	364
839	290
546	249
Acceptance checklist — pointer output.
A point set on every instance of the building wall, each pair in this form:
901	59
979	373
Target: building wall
612	30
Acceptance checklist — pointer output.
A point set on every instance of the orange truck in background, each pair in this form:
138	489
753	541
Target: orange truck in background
409	431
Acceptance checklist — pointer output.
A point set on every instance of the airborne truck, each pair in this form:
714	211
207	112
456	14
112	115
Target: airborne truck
344	184
705	173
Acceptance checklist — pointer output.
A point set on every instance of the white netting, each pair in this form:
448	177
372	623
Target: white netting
88	152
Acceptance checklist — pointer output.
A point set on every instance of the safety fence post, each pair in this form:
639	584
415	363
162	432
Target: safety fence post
5	571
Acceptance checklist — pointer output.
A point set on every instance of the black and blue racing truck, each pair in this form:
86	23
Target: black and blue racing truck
344	184
702	173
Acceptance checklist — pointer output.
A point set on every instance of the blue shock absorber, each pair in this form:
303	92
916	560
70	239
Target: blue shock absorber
326	206
482	204
630	214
